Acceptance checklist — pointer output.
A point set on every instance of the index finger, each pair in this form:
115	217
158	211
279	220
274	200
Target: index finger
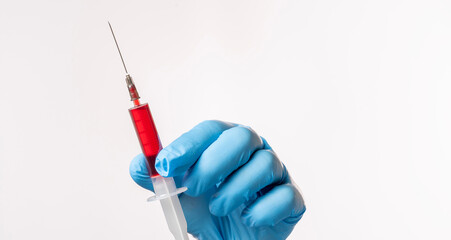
181	154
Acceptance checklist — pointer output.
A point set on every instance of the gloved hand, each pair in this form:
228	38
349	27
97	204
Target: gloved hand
237	187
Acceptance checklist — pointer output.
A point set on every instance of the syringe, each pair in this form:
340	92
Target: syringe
164	188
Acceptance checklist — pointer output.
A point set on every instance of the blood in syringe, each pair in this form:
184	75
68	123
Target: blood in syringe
147	134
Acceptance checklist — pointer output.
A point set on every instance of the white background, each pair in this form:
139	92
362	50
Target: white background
353	95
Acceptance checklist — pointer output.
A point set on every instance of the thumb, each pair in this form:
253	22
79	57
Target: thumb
140	173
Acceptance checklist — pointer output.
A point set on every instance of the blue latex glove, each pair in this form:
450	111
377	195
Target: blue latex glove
237	187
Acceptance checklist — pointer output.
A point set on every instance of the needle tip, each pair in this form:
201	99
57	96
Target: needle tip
120	54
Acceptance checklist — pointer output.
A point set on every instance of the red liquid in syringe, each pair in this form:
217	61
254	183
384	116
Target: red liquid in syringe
147	134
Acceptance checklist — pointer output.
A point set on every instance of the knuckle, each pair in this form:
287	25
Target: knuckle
269	167
214	124
292	195
270	164
246	134
296	200
289	193
210	122
268	159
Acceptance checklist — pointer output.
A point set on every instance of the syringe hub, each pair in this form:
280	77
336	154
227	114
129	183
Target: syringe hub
131	88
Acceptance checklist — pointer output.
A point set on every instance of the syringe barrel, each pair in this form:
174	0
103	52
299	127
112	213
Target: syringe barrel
147	135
